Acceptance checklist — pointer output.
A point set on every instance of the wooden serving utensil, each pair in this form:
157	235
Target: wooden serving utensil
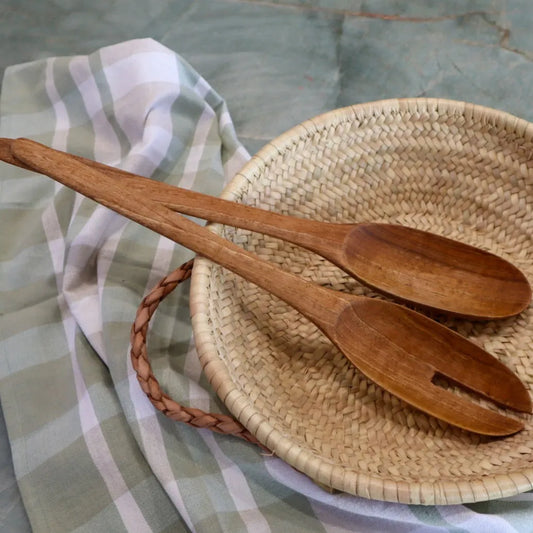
397	348
410	265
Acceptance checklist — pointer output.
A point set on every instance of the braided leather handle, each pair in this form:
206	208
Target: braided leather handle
217	422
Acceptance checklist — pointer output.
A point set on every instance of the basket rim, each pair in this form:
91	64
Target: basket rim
276	146
445	492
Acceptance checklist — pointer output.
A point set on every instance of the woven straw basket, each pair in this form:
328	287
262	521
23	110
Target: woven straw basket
459	170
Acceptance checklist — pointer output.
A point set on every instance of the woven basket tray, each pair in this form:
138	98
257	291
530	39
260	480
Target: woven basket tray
455	169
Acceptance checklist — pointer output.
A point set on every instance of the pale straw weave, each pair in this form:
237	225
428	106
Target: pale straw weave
455	169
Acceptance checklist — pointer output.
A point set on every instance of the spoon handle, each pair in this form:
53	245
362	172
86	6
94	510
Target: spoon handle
323	238
135	202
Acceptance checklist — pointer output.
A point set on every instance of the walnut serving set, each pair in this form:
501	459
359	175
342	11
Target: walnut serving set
362	304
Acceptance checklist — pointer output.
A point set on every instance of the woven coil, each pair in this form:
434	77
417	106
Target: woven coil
456	169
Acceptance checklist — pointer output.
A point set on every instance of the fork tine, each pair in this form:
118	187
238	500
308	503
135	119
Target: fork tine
476	370
469	415
470	367
403	351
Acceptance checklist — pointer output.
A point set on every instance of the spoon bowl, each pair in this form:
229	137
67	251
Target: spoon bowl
435	272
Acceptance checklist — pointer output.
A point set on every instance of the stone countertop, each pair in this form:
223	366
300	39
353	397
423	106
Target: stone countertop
279	63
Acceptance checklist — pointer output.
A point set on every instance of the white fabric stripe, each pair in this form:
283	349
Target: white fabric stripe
94	438
150	138
84	295
97	446
202	88
142	71
152	145
105	259
138	69
191	166
102	457
142	407
59	139
153	445
235	163
172	489
103	221
192	367
334	520
107	146
463	517
150	430
241	156
190	170
161	262
145	413
78	200
156	152
328	506
233	477
194	157
238	488
225	120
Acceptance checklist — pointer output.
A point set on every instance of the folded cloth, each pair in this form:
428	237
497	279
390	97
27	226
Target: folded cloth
90	451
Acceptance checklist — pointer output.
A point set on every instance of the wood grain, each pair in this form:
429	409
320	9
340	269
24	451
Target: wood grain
397	348
407	264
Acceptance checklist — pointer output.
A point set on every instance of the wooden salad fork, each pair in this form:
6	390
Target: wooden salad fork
399	349
410	265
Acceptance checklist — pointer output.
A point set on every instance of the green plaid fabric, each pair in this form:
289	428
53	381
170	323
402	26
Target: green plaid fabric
90	452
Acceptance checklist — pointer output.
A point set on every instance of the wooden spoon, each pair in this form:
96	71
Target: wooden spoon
397	348
410	265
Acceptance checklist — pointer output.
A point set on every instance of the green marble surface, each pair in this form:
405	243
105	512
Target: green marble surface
280	62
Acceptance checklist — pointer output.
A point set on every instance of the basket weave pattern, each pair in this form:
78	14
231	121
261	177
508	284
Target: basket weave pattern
458	170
